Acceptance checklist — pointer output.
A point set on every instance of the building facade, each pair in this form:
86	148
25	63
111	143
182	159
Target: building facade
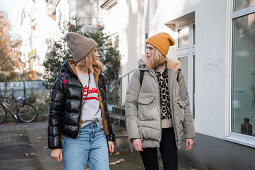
89	11
37	28
215	46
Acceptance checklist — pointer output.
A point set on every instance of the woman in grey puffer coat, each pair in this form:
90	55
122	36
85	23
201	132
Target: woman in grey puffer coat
157	106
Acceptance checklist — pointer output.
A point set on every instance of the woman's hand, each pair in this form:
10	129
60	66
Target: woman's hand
137	144
189	144
110	146
57	155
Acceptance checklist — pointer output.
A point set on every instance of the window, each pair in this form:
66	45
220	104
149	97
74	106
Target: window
243	78
242	91
183	37
186	56
241	4
185	27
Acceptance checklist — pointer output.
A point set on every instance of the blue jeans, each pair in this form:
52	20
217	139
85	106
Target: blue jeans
90	146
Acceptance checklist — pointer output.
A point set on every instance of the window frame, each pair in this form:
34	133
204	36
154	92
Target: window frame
229	135
189	52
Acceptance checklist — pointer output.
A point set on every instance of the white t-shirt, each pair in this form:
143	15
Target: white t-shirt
91	111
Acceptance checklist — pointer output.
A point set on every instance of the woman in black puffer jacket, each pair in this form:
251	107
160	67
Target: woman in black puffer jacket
78	109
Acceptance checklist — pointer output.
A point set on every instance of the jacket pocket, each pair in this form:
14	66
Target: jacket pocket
147	133
147	100
147	108
180	111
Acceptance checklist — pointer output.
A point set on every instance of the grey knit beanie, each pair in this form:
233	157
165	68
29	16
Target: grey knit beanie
79	45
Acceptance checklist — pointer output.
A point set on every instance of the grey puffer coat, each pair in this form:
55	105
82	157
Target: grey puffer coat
143	111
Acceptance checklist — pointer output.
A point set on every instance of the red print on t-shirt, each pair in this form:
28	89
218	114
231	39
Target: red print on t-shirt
91	93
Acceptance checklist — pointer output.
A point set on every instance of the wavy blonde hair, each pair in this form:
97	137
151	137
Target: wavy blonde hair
89	62
157	59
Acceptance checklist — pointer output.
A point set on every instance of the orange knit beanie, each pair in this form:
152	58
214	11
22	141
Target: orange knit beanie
161	41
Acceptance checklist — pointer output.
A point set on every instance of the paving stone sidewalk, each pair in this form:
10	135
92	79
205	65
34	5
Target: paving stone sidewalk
20	126
17	140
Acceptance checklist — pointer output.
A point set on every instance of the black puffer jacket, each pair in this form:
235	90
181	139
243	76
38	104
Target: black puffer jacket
66	105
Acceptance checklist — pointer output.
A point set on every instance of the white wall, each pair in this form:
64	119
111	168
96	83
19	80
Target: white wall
211	54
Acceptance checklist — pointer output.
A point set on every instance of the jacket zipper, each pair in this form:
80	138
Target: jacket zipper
160	121
172	101
74	71
81	106
81	114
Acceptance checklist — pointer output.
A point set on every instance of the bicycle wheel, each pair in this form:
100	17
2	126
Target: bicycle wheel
2	114
27	113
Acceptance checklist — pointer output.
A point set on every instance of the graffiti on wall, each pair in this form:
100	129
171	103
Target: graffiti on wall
215	65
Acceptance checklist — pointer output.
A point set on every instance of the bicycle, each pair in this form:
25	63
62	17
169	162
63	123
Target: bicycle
23	111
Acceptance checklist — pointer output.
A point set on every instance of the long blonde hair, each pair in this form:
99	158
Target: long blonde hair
157	59
89	62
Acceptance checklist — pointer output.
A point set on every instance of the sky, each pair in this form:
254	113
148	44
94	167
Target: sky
13	8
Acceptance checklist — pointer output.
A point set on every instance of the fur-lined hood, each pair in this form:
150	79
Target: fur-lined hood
171	63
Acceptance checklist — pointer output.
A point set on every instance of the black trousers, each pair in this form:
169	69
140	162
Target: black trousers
168	152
